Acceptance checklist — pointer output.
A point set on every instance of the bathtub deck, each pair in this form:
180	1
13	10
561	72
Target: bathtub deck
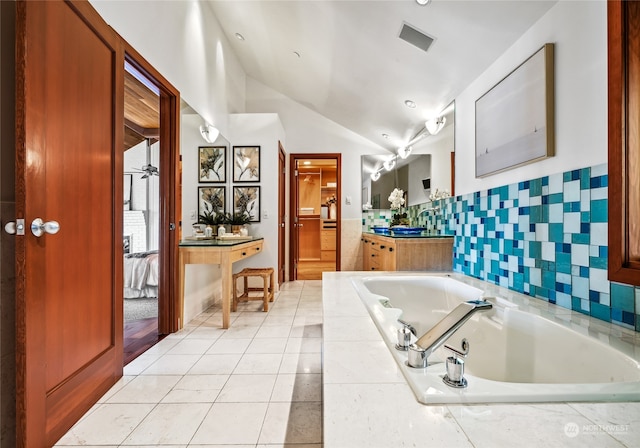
367	401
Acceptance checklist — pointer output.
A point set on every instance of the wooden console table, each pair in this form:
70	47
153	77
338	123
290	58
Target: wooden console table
221	252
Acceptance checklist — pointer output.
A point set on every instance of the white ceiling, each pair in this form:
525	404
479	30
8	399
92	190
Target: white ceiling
355	70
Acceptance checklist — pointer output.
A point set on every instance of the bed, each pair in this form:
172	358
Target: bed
141	275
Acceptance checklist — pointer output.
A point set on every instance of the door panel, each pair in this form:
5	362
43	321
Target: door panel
69	93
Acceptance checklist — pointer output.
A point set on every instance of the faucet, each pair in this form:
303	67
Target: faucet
443	330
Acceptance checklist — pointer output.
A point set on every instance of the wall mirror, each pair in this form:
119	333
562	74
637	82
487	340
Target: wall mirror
430	167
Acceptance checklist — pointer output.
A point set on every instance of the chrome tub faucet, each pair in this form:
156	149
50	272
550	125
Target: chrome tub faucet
443	330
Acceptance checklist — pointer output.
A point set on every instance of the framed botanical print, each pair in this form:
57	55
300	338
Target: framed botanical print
246	164
247	200
211	201
212	164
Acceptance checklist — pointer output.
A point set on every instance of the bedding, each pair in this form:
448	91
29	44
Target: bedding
141	275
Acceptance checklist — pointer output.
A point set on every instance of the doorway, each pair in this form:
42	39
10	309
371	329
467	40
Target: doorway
151	171
315	209
140	225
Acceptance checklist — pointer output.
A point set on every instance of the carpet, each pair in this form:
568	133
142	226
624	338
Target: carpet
135	309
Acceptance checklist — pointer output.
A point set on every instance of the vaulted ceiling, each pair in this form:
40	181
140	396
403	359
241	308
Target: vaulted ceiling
344	59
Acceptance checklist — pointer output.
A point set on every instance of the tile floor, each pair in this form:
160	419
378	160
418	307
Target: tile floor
256	384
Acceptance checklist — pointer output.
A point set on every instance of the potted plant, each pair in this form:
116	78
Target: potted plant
212	219
238	220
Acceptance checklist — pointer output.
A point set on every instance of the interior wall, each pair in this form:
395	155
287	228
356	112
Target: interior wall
579	31
7	213
203	282
264	130
310	132
183	40
134	159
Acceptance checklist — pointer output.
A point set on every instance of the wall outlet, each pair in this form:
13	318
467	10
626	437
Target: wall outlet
347	200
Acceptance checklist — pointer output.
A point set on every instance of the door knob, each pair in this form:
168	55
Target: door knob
39	227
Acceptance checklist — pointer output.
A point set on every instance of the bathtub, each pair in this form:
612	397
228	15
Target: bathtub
517	352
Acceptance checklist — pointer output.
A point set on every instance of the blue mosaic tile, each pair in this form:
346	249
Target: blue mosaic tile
600	312
599	211
622	297
546	237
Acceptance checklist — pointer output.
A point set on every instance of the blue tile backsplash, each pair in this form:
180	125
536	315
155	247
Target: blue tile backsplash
544	237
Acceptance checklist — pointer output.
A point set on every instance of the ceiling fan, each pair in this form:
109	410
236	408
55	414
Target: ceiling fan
148	170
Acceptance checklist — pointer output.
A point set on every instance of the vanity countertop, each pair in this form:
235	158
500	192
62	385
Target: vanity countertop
423	235
215	242
367	401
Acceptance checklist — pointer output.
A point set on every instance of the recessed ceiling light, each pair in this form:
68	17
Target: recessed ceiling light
386	136
410	104
239	36
423	2
306	162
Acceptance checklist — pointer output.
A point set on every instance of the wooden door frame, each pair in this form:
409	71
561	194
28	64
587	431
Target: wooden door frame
293	187
282	176
170	194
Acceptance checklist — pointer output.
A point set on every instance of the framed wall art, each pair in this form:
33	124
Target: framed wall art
247	200
212	164
211	201
246	164
515	118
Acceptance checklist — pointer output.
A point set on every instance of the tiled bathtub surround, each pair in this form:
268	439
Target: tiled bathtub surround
544	237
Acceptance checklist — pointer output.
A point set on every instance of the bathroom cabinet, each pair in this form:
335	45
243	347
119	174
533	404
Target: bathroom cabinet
386	253
623	20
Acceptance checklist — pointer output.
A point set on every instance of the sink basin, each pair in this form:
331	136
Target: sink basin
403	230
381	230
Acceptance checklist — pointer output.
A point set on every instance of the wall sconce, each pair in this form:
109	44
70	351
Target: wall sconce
209	133
435	125
375	176
404	151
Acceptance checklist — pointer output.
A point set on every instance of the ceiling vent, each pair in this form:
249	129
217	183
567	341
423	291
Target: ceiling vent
415	37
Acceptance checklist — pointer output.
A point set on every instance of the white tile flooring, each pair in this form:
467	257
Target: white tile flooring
256	384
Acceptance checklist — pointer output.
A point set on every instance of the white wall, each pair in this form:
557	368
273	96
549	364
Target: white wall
264	130
310	132
185	43
134	159
579	31
202	282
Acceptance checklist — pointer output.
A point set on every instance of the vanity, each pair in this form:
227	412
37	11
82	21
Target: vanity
406	252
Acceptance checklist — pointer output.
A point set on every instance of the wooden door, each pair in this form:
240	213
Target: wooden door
69	121
623	20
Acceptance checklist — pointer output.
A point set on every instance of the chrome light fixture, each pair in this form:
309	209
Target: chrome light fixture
404	151
209	133
389	164
435	125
